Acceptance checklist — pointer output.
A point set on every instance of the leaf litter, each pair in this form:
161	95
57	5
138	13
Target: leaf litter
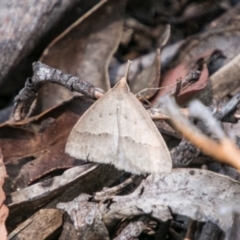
198	198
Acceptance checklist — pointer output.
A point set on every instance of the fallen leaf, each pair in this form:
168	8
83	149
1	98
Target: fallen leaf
169	80
148	78
38	143
85	50
40	226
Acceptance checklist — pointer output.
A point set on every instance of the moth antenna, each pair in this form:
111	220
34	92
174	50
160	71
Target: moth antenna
127	69
142	97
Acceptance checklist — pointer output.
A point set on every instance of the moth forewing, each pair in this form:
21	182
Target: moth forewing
117	130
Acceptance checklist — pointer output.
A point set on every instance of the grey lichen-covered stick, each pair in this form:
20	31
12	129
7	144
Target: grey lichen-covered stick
42	74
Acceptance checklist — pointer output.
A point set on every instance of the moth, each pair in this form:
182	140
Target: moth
117	130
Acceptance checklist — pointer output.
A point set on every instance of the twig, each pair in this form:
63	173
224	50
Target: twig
42	74
225	151
107	193
185	152
230	106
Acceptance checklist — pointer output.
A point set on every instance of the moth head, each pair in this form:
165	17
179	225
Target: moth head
122	84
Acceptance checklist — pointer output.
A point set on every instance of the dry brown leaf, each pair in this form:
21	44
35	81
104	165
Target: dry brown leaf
40	226
35	146
85	49
170	78
148	78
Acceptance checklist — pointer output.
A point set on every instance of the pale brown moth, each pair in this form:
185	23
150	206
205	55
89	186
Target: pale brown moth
117	130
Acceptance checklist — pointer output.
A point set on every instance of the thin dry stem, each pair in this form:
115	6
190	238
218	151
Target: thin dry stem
225	151
107	193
